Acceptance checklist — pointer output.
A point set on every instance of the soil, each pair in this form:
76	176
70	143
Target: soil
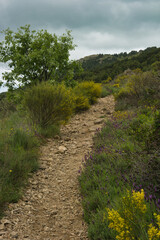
51	205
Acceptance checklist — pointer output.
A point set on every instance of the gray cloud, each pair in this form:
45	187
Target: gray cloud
98	26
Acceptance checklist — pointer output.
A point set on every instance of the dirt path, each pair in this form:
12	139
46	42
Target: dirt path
51	207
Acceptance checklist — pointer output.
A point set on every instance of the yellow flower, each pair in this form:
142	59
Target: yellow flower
137	200
118	223
153	233
158	219
10	170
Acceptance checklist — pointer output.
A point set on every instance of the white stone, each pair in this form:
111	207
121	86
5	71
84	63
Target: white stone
98	121
62	149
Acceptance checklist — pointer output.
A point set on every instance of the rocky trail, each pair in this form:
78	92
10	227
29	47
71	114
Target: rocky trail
51	206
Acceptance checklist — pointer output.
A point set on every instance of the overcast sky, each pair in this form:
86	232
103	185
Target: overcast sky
98	26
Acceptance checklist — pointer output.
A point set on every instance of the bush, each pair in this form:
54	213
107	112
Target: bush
105	92
141	128
81	103
141	88
49	104
142	85
90	90
130	221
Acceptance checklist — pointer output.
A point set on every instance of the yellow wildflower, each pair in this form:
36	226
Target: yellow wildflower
138	200
153	233
118	223
158	219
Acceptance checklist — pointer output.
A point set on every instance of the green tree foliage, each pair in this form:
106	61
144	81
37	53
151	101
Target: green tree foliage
36	56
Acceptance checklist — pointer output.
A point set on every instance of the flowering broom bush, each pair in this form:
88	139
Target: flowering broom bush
90	90
130	220
49	104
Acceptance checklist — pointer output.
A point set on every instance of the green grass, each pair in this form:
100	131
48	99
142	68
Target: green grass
18	157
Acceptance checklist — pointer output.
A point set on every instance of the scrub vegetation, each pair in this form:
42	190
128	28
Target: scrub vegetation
121	176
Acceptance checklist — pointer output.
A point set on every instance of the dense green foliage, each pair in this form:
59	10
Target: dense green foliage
99	67
37	56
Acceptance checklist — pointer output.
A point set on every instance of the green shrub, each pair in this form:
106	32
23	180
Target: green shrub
142	86
141	89
155	137
49	104
90	90
141	128
124	92
81	103
105	92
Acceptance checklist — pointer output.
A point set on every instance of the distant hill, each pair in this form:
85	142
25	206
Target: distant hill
101	66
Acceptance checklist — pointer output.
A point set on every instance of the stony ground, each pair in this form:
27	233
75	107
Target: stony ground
51	207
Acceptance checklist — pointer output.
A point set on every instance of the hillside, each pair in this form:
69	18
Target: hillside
101	66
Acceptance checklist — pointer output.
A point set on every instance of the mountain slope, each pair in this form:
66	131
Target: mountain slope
101	66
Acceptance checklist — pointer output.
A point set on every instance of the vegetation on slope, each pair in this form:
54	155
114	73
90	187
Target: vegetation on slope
121	177
100	67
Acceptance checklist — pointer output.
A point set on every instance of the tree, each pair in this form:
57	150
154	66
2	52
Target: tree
36	56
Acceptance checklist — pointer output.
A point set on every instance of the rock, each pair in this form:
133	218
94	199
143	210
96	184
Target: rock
5	222
26	236
67	139
62	149
14	234
2	233
93	129
1	226
57	137
73	152
54	212
98	121
46	229
74	131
